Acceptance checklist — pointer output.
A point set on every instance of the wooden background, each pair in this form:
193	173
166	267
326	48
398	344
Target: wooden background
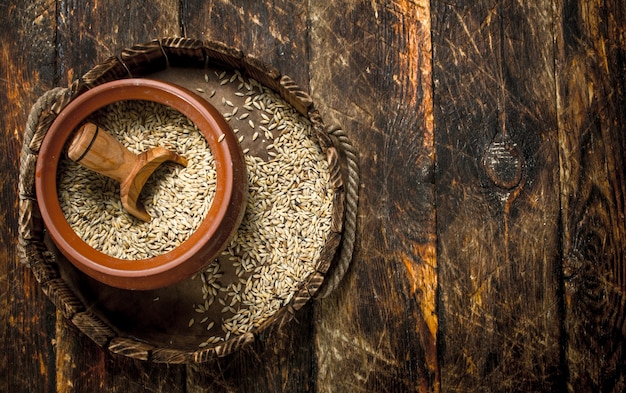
490	253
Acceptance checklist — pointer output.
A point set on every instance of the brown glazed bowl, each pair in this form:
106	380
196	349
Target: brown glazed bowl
204	245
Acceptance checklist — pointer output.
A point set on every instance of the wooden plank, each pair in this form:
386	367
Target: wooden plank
275	33
84	367
89	33
592	141
26	70
497	196
371	72
280	360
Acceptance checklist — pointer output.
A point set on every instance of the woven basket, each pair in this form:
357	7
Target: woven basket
132	323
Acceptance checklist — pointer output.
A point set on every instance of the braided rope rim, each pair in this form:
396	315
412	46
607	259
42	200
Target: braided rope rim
333	280
43	104
33	136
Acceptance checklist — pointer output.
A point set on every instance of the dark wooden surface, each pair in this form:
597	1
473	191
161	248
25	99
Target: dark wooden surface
491	248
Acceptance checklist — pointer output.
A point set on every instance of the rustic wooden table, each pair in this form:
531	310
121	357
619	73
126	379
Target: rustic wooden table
491	247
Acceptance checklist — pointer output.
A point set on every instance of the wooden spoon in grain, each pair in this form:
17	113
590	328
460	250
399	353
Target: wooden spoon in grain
96	149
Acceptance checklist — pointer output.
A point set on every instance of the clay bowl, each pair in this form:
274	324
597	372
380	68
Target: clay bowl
204	245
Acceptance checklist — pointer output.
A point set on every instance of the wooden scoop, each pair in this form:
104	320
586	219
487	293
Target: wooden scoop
96	149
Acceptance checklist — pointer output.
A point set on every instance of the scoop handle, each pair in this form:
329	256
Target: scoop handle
96	149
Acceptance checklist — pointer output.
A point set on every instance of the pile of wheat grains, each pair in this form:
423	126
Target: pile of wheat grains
287	218
176	198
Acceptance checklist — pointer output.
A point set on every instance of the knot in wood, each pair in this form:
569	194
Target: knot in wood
503	164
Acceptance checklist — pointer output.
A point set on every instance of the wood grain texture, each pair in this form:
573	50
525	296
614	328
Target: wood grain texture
27	61
82	366
371	73
274	32
497	196
280	360
89	32
592	141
